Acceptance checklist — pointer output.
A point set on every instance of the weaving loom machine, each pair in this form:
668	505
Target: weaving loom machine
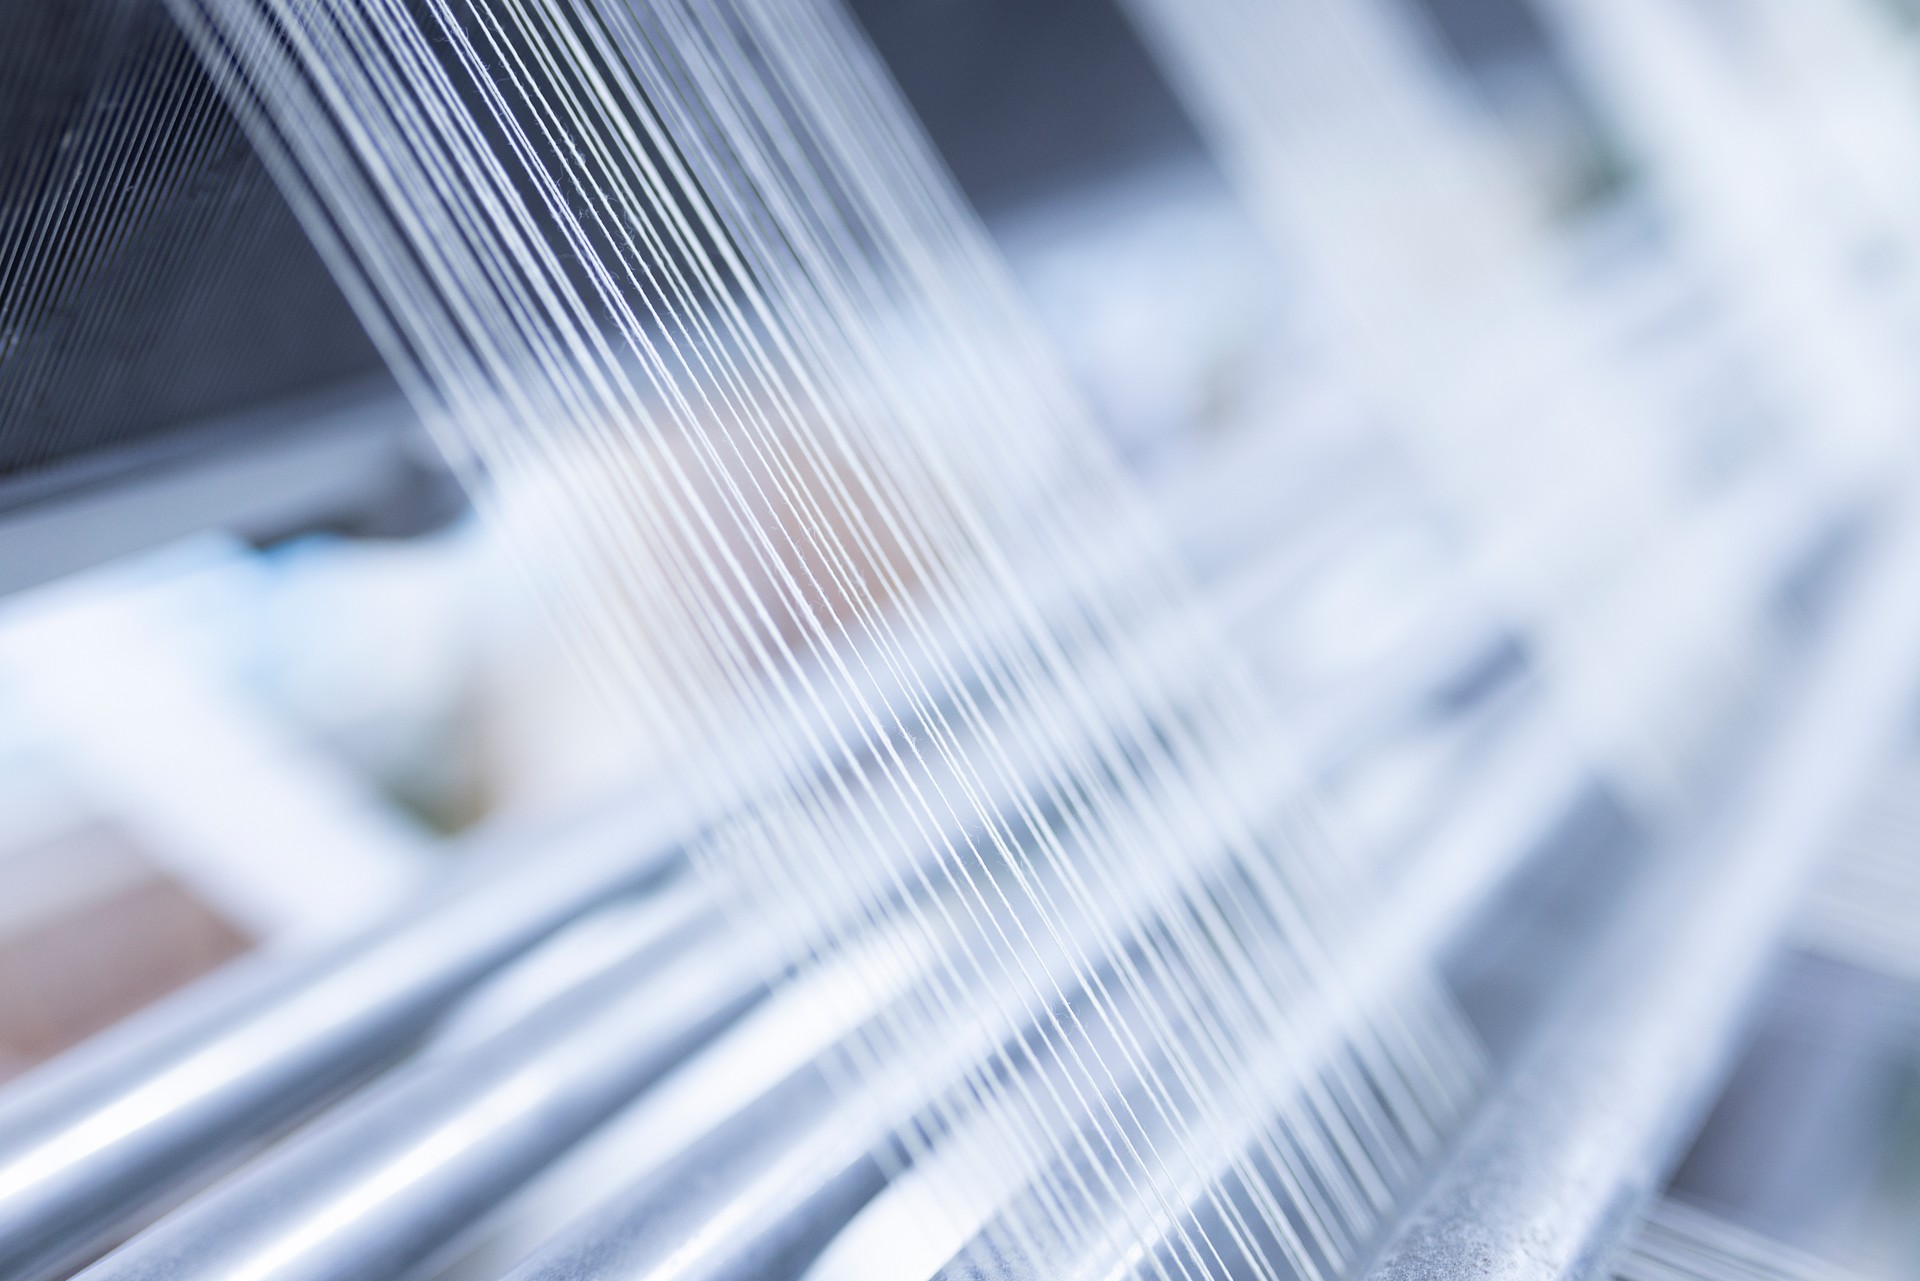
1589	599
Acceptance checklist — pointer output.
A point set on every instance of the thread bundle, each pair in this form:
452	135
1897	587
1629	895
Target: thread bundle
687	275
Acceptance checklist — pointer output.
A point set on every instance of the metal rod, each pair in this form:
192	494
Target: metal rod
1561	1163
383	1184
762	1193
771	1185
92	1141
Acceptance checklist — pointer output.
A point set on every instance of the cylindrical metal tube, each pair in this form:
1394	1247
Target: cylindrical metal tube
1561	1162
770	1186
381	1185
91	1141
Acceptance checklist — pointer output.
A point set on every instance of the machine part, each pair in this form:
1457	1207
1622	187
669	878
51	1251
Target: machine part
92	1141
380	1186
1562	1164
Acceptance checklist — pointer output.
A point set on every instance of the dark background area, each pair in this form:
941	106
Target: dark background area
151	276
152	280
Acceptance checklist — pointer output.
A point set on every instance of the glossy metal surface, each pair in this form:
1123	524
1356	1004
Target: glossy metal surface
757	1197
1563	1162
92	1140
379	1186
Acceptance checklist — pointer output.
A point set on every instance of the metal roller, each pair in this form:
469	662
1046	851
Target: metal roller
88	1146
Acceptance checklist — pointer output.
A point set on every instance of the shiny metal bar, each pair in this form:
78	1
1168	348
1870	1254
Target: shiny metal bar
760	1194
91	1142
1562	1163
379	1186
756	1198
